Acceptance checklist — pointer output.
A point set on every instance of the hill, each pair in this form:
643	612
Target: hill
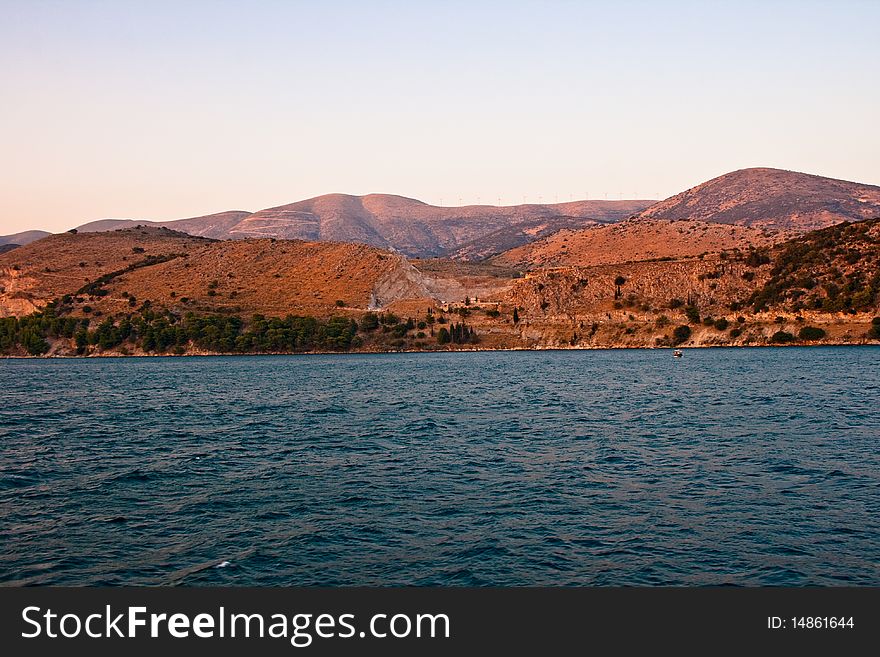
824	285
20	239
771	198
114	272
270	277
34	274
630	241
836	269
155	290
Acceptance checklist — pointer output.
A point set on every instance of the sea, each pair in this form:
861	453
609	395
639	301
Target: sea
741	467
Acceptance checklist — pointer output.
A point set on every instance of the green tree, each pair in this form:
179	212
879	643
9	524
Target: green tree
369	322
620	280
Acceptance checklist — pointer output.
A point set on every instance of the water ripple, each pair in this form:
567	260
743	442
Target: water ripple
733	467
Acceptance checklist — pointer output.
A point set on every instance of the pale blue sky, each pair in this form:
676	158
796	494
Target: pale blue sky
164	110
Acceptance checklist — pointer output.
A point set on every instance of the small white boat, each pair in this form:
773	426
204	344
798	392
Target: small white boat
677	353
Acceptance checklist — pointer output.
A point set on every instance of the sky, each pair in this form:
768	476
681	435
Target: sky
163	110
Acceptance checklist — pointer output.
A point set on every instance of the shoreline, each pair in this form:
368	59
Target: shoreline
220	354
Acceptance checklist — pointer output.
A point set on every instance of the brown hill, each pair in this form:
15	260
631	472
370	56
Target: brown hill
630	241
822	286
270	277
34	274
394	222
117	271
771	198
200	295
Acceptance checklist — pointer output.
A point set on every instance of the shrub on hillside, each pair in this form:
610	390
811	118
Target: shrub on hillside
782	337
369	322
681	334
811	333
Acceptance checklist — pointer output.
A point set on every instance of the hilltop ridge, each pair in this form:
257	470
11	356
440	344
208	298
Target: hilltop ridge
771	198
410	226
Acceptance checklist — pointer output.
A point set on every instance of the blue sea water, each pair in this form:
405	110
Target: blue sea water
728	466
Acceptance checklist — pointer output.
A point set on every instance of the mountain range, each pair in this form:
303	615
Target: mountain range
406	225
765	204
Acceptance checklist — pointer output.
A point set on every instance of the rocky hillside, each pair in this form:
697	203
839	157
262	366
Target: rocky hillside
118	271
824	286
836	269
149	290
771	198
631	241
33	275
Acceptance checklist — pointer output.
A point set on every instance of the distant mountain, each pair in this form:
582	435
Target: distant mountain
771	198
415	228
216	226
403	224
20	239
8	247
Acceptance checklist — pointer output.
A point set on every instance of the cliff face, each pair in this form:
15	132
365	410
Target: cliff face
709	283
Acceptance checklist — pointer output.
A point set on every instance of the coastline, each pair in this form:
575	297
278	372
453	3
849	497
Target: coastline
368	352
